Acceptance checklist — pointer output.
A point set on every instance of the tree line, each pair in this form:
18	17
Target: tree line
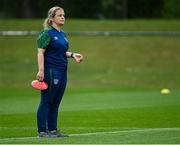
94	9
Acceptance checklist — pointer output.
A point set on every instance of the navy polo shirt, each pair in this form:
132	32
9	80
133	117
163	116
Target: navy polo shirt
56	45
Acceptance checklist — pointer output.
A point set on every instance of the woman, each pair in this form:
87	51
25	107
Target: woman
52	65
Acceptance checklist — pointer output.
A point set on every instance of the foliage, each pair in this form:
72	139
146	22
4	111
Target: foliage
98	9
171	9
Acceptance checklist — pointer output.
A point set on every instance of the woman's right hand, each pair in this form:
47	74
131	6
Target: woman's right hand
40	75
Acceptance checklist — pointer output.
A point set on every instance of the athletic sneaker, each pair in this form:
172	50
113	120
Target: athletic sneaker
56	133
43	134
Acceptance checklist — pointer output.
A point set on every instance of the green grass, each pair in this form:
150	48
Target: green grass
135	62
128	116
95	25
112	97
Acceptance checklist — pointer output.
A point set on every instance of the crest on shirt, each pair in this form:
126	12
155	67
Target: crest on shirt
55	38
56	81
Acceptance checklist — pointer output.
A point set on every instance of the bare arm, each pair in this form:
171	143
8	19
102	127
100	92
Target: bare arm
40	58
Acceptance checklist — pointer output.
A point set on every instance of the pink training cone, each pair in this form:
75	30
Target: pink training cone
39	85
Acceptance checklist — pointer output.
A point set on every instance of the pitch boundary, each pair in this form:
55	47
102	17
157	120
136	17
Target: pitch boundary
101	133
97	33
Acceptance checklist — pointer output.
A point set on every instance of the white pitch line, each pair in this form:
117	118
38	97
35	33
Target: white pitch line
101	133
127	131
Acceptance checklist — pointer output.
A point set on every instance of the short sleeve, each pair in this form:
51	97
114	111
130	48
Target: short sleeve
43	39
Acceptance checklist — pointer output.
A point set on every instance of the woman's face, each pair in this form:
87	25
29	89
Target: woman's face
59	17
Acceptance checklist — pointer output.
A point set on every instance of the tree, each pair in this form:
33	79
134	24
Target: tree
171	9
145	8
98	9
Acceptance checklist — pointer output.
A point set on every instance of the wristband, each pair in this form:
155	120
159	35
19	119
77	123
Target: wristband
72	55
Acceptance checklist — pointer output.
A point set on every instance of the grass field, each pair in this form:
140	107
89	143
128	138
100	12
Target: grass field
93	116
94	25
112	97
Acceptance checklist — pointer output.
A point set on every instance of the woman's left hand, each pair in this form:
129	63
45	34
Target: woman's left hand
77	57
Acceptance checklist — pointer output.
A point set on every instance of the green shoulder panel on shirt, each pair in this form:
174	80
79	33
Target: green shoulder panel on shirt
43	39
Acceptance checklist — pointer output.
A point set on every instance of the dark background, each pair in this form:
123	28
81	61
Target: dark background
94	9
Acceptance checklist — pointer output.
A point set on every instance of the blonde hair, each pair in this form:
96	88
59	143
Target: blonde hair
51	13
